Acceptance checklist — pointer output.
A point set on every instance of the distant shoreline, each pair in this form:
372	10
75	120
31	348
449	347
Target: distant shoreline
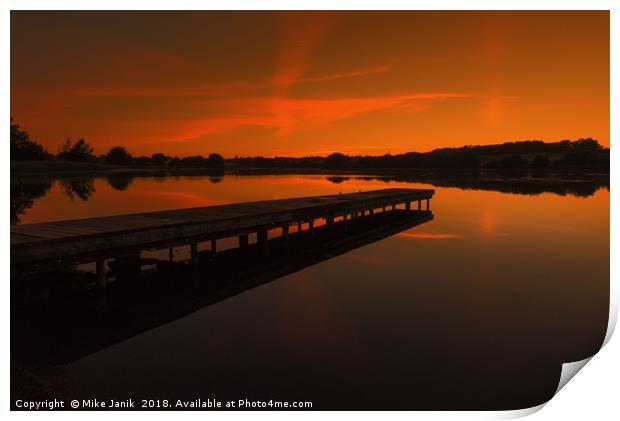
67	168
509	157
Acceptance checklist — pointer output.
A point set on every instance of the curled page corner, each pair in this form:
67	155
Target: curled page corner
518	413
569	370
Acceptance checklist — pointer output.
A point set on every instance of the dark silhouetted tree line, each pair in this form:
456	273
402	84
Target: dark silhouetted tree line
529	154
25	149
532	154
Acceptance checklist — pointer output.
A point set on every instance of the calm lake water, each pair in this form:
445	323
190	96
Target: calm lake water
476	309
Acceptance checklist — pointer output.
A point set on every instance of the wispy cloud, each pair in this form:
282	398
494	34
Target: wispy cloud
291	115
335	76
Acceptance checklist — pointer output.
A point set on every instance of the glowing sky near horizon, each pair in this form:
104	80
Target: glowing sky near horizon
307	83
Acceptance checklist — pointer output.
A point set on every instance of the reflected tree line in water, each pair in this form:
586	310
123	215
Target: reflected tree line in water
575	185
25	191
24	194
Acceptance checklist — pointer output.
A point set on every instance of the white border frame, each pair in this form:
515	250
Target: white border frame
593	394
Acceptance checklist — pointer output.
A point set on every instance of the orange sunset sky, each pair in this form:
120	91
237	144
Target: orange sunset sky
307	83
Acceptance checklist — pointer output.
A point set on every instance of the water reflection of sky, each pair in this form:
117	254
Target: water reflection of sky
478	306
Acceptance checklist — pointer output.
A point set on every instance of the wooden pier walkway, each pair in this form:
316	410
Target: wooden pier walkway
97	239
51	334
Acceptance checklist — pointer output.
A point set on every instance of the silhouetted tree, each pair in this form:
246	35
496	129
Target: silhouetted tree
336	160
79	151
216	160
118	155
586	145
585	152
24	148
159	159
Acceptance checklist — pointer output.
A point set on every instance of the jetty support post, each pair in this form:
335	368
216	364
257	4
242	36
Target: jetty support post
262	239
193	252
243	241
428	206
100	274
311	227
285	233
408	205
330	224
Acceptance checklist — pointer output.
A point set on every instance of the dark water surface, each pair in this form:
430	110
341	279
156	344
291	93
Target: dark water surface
476	309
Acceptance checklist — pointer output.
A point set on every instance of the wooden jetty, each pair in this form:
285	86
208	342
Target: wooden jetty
36	247
45	330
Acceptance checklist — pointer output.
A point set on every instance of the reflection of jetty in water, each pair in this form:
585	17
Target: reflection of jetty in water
137	300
